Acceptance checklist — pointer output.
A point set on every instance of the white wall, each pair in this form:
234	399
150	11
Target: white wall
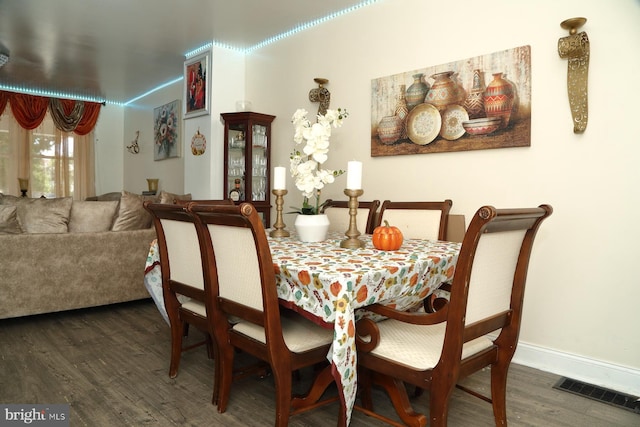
581	315
582	295
108	149
139	167
202	176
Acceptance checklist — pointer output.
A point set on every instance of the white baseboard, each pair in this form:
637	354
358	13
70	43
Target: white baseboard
595	372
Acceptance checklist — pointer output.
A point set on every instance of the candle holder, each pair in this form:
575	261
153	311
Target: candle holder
279	225
24	186
352	241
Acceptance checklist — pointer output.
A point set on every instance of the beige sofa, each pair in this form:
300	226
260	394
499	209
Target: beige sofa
59	254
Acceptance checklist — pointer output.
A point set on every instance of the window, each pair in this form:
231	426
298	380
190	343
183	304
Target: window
51	161
47	156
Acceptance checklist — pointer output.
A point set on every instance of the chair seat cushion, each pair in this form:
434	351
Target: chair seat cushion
299	334
195	306
418	346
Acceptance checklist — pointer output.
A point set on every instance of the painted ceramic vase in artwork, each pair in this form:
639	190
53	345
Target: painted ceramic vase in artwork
390	129
498	99
444	91
402	111
417	91
474	103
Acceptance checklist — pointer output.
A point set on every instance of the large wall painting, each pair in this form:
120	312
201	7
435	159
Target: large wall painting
473	104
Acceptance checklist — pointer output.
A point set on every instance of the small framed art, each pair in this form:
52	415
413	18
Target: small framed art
197	85
166	131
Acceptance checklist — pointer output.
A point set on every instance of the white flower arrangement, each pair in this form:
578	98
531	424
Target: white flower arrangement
305	166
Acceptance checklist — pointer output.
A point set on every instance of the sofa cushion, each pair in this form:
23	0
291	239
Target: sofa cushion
132	214
9	220
170	198
91	217
42	215
115	195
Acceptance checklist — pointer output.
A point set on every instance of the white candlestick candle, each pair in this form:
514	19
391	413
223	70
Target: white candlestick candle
279	178
354	175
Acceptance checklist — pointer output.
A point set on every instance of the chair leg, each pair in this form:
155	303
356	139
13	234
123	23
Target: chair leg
439	404
224	362
216	374
364	387
283	395
176	348
320	383
499	392
210	346
398	393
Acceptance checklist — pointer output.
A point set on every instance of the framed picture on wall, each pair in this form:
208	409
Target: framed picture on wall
475	103
166	131
197	85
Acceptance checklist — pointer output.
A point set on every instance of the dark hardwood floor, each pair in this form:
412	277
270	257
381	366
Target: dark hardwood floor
110	364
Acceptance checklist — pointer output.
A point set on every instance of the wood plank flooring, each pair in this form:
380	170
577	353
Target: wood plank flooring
110	364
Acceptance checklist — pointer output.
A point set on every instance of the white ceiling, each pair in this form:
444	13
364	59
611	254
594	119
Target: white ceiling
117	50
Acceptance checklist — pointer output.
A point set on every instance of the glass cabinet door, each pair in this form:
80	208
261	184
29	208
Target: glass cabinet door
259	172
247	176
236	162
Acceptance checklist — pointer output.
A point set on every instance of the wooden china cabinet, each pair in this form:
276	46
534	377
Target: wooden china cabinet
247	164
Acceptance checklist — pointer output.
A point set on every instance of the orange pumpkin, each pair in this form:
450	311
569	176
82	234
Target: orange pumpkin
387	237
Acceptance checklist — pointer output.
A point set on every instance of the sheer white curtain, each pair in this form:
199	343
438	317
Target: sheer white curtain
58	164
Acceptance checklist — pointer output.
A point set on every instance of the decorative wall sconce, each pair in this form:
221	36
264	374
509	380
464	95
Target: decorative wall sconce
320	94
134	148
575	48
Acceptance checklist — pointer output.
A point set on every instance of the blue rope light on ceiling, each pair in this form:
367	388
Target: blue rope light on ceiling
246	51
53	94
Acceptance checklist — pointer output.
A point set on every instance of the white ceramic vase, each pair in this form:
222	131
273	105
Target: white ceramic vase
312	228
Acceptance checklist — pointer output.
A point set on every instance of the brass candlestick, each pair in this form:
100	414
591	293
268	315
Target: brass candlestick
279	225
352	241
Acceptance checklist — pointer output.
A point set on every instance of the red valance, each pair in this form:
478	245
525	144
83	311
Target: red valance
29	110
4	97
68	115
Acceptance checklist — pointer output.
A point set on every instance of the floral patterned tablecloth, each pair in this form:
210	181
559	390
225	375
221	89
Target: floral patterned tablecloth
329	283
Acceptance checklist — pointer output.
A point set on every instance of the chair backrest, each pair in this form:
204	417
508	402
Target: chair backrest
456	227
417	220
338	213
239	272
489	280
179	250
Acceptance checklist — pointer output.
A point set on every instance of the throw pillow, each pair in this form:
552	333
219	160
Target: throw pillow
9	220
170	198
92	217
42	215
132	215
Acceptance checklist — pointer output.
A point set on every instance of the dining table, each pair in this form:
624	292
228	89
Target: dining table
332	286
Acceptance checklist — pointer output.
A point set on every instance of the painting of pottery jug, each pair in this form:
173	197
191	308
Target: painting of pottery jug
390	129
498	99
444	91
474	103
416	92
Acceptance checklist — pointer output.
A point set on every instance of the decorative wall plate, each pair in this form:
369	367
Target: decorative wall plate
452	119
423	124
198	144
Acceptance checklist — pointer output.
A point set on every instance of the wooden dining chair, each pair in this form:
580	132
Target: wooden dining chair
435	350
240	282
338	213
417	220
182	277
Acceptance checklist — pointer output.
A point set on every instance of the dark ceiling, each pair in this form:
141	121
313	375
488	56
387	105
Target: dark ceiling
117	50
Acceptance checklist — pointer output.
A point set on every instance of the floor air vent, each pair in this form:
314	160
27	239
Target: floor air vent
611	397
